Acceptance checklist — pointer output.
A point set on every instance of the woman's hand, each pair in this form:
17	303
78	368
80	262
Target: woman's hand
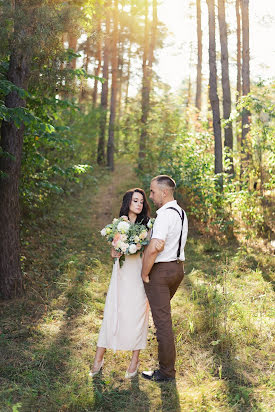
159	245
115	254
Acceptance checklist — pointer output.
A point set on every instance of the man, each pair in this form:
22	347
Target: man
163	272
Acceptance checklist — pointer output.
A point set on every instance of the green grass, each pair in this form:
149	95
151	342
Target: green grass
223	318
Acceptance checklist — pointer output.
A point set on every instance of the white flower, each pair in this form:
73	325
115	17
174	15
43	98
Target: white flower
143	235
123	227
123	237
124	247
132	248
136	239
103	232
115	220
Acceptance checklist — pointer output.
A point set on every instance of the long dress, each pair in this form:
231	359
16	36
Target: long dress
126	312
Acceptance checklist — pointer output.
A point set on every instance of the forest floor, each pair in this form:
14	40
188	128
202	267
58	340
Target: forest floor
222	317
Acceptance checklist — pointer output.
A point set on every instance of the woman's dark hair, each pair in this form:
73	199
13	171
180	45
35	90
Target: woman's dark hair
144	215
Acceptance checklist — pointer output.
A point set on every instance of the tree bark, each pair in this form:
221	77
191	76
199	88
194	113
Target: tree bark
238	19
120	84
245	80
104	92
87	52
145	87
72	40
199	63
128	76
213	94
10	164
228	135
98	58
152	44
111	145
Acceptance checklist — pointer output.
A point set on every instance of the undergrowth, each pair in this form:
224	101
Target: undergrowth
222	314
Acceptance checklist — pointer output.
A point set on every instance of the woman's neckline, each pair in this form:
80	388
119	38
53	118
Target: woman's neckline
131	220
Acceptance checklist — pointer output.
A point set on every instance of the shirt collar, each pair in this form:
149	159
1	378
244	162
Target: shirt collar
168	204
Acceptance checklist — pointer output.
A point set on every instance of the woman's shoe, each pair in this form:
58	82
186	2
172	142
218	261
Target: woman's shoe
129	375
92	374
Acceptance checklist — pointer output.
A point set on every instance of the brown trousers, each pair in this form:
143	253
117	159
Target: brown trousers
165	278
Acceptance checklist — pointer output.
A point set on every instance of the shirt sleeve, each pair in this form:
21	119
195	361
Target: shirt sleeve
184	231
160	228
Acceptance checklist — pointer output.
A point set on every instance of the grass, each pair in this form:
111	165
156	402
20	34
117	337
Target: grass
223	318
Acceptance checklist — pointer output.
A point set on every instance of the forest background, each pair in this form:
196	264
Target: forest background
83	102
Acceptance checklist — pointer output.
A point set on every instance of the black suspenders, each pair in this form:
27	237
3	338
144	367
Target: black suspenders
182	220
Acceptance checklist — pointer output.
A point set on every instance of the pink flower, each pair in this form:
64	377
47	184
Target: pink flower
116	239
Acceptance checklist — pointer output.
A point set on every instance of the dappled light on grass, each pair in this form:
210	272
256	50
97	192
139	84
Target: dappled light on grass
222	319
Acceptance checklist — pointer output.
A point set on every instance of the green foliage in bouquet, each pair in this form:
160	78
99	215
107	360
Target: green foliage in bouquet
126	237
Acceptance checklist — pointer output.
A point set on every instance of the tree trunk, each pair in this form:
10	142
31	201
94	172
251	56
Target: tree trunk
119	94
10	164
104	92
111	145
145	87
128	76
87	52
72	40
245	80
152	43
98	67
238	18
213	94
199	64
228	135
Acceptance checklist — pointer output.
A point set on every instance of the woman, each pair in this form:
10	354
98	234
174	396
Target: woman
126	311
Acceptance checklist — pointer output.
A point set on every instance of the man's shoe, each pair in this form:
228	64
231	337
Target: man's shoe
156	376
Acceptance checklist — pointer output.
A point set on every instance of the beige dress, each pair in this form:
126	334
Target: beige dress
126	312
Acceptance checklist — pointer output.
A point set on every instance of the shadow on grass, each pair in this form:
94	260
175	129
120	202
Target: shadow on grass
226	366
170	397
108	397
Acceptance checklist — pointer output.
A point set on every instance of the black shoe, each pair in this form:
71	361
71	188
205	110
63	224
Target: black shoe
156	376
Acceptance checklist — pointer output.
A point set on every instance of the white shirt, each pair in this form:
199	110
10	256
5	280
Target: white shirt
167	227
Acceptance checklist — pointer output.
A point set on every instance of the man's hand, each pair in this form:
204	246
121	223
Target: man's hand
150	255
145	279
159	245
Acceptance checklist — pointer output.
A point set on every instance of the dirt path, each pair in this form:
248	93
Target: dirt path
222	319
106	203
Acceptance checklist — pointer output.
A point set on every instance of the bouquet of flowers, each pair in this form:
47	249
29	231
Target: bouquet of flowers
126	237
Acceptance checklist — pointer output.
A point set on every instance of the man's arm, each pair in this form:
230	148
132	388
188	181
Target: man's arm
150	255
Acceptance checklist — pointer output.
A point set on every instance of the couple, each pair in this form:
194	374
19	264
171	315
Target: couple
157	275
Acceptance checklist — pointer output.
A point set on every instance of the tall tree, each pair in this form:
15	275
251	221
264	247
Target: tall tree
98	59
104	92
238	19
245	79
228	135
199	63
129	52
148	55
72	44
145	86
11	145
111	145
152	43
213	94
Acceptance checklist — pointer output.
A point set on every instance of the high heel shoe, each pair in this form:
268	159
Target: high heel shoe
92	374
129	375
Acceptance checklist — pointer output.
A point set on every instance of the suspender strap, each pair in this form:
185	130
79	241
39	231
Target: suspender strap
182	220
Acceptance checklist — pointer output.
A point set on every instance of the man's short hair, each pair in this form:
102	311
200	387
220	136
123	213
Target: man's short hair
165	180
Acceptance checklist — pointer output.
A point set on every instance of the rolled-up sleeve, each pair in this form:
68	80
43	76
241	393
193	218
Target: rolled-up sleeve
161	226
